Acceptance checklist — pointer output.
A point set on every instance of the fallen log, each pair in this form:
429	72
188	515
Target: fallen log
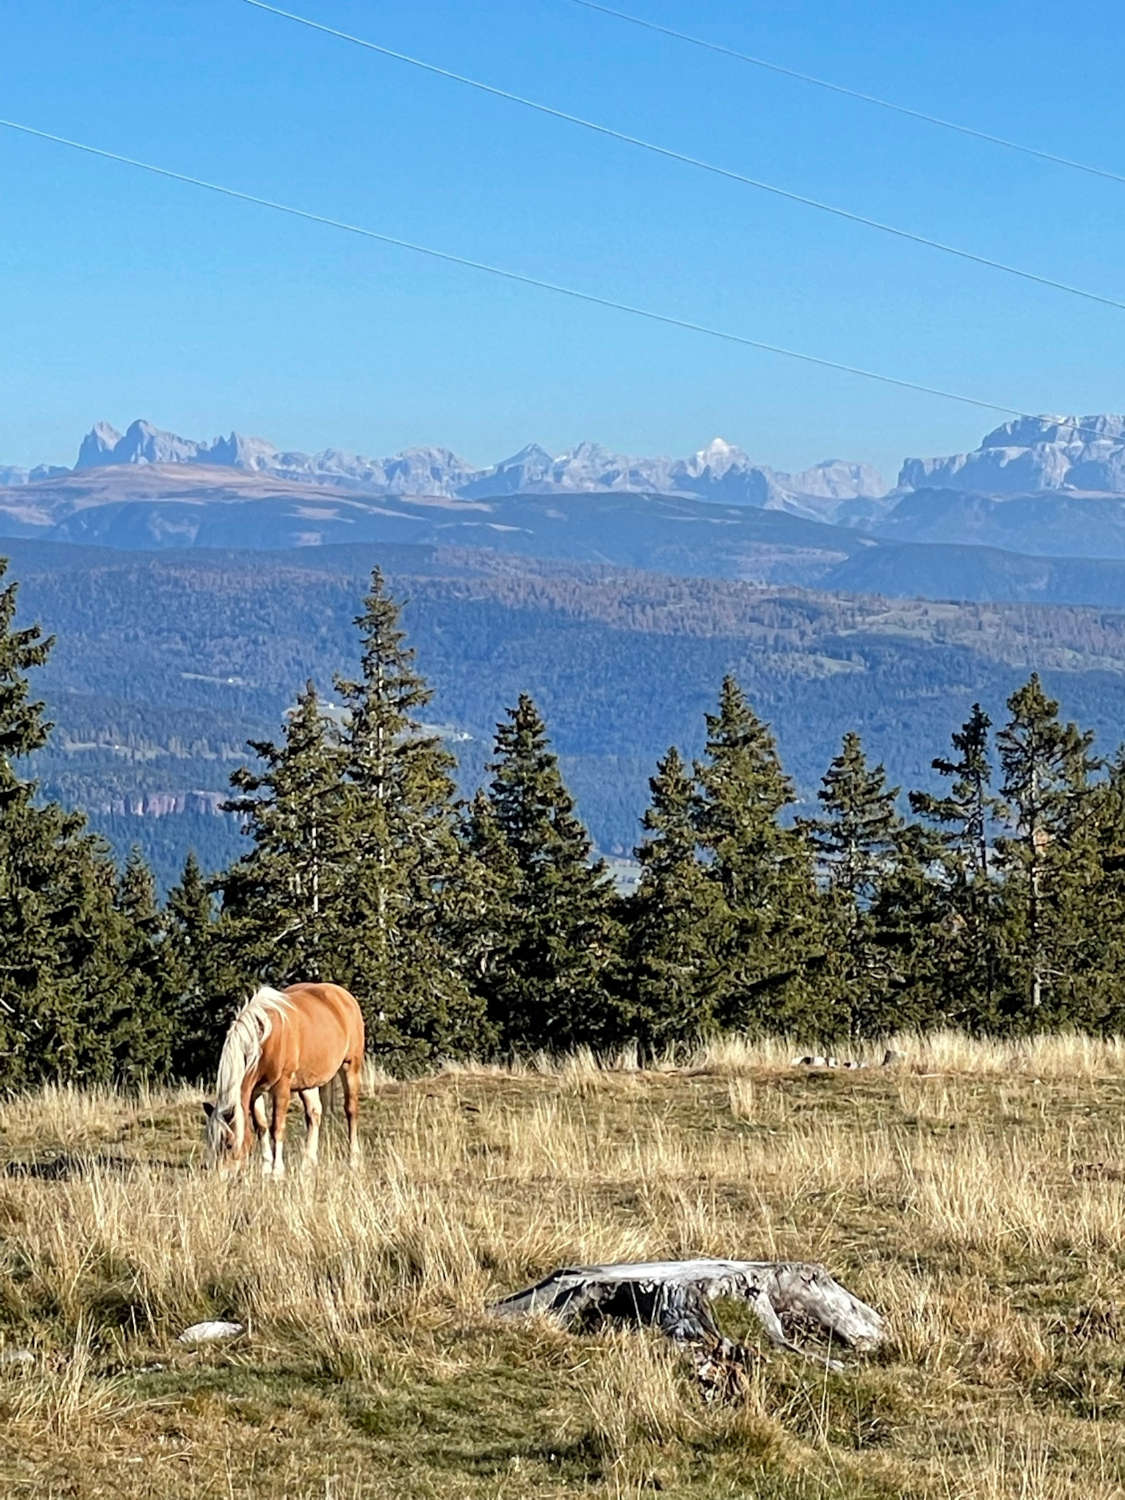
675	1296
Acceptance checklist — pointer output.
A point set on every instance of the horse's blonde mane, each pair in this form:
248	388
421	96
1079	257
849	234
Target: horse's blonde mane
242	1049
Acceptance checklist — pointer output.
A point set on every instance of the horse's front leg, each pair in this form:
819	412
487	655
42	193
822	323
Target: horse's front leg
310	1098
260	1114
282	1093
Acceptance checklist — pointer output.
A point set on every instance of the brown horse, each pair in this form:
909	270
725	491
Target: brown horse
284	1042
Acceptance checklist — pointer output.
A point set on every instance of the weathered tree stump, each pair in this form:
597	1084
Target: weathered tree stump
675	1296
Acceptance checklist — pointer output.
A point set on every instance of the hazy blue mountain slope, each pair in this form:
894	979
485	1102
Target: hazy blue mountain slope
167	661
1054	525
948	571
177	506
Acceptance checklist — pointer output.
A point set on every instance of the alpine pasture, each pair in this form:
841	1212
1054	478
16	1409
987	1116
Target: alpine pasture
975	1194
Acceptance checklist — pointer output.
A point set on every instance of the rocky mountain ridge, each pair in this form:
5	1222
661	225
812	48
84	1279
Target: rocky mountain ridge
1078	454
1052	486
1082	455
720	471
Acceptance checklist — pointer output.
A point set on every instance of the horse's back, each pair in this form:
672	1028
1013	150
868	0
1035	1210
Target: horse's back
329	1026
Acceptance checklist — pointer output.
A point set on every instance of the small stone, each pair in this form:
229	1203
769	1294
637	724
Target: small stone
210	1333
818	1062
11	1357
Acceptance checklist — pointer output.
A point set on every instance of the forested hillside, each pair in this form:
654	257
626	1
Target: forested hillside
488	926
166	663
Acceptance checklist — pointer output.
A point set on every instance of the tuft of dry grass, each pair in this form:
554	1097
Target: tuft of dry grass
976	1194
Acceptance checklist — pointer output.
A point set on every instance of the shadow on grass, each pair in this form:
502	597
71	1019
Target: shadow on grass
65	1166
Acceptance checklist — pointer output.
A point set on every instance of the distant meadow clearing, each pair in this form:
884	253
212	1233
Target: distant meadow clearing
975	1194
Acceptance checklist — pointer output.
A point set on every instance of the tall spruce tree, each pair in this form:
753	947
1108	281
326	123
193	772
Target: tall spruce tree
859	842
963	893
283	901
201	994
1097	982
58	921
402	860
555	982
967	812
766	935
1047	855
672	918
489	877
137	1006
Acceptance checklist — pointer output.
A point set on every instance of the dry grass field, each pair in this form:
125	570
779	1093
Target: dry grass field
976	1195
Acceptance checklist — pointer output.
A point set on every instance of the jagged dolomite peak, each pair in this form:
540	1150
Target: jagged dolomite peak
720	471
1030	454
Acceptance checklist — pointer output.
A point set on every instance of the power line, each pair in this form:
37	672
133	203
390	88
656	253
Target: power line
690	161
522	278
849	93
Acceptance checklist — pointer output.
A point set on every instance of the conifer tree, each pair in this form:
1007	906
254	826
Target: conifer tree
489	879
1047	855
858	832
136	1020
23	728
57	890
766	933
672	917
1097	982
401	858
963	892
283	901
968	810
201	993
859	841
554	985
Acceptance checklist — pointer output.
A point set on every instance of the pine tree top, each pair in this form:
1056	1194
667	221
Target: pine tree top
23	728
136	888
860	824
741	775
1046	763
388	689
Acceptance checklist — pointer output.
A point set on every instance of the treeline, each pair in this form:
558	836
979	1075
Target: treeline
486	927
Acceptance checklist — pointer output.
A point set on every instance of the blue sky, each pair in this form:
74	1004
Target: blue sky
125	296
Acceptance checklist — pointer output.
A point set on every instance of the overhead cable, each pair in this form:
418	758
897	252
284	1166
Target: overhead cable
522	278
691	161
850	93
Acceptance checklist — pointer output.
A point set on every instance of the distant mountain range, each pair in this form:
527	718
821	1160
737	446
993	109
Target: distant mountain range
719	471
1048	487
1079	454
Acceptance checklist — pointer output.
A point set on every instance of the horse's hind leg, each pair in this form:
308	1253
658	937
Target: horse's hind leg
260	1115
310	1098
350	1075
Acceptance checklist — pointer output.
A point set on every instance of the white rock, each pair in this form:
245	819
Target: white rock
210	1332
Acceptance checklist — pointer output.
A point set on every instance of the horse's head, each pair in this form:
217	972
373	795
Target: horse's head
223	1144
